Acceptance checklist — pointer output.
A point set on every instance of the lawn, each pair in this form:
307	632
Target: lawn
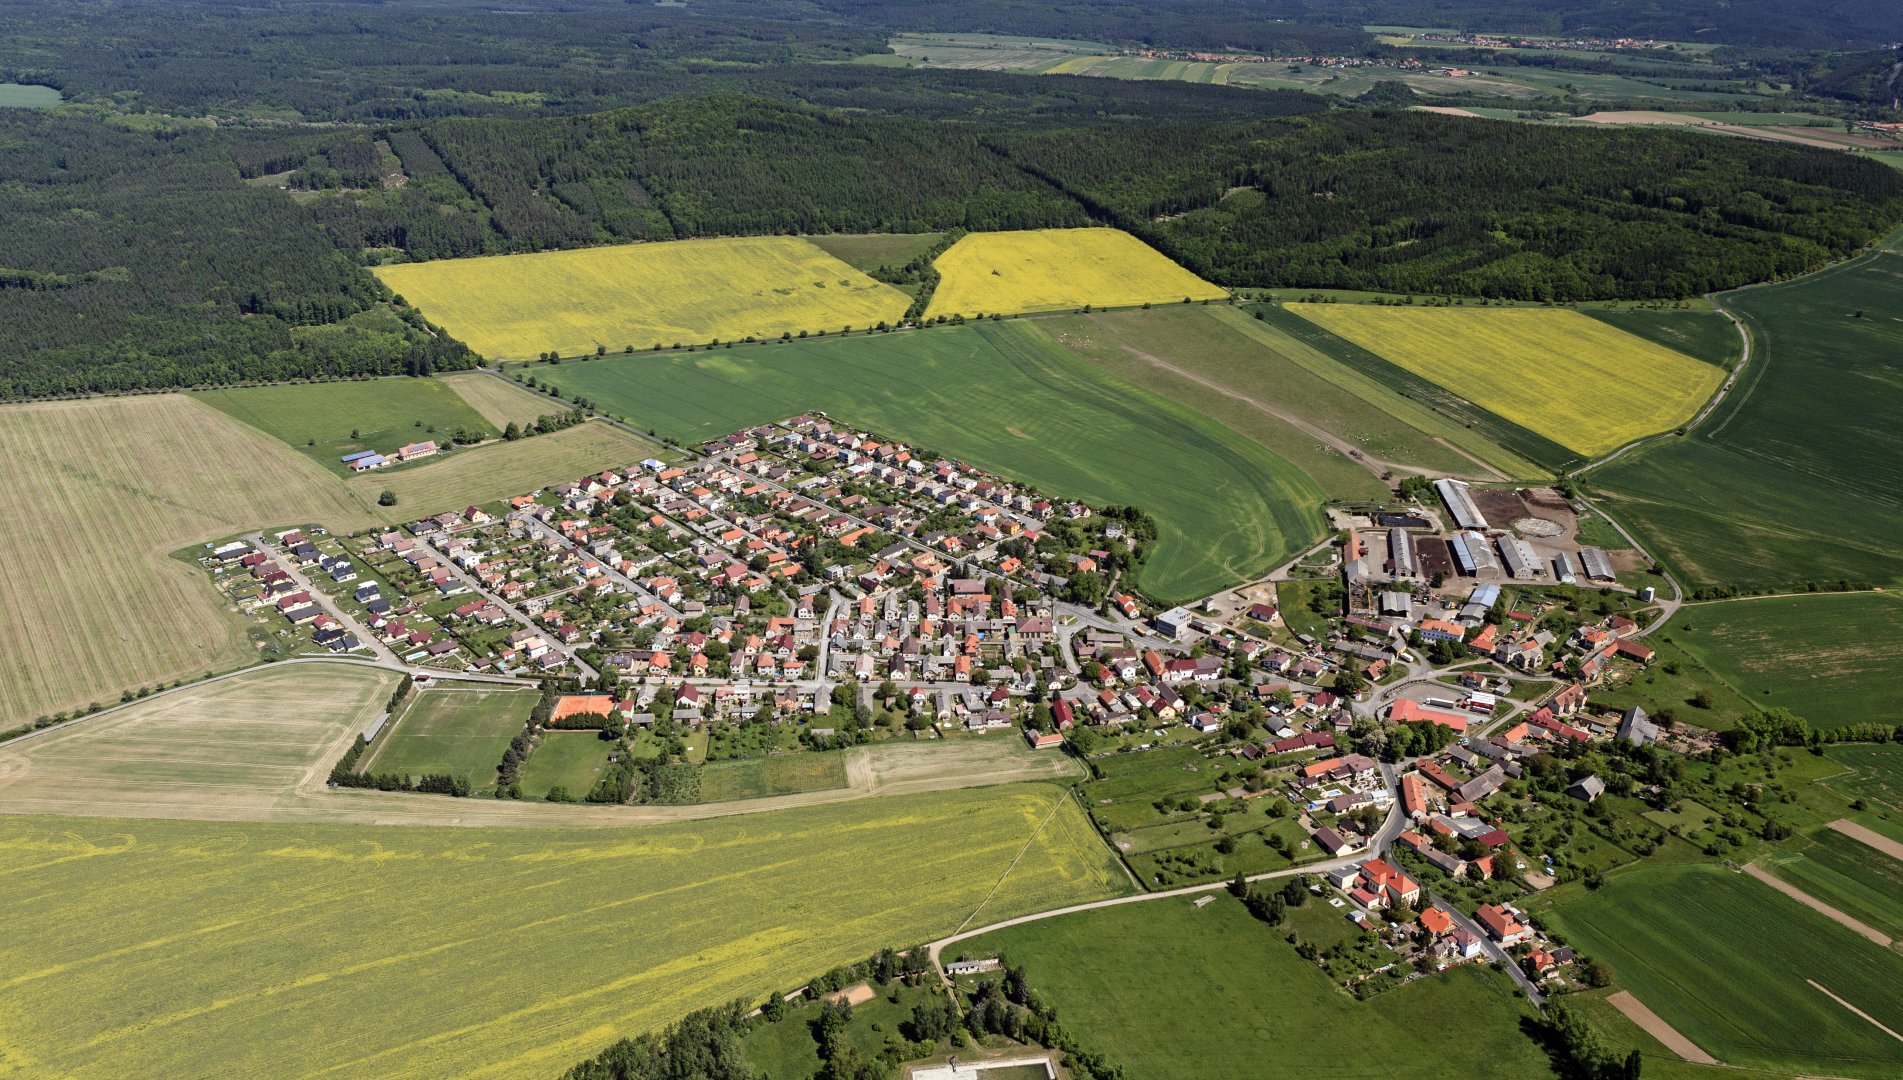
1571	378
228	949
1007	399
1055	270
518	306
326	421
1878	778
1832	658
1281	392
100	494
1798	474
780	774
453	732
1848	875
570	760
1253	1007
1728	961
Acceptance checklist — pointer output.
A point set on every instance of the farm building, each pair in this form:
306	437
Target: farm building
1598	565
1400	553
366	462
413	451
1637	728
1521	561
1460	504
1563	569
1472	553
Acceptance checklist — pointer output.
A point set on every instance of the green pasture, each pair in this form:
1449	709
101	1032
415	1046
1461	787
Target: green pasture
1007	399
1798	474
1833	658
317	418
570	760
780	774
1726	959
1258	1009
452	732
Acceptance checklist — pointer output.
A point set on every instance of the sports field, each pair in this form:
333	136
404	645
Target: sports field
1730	962
1849	875
1798	474
1057	269
1573	379
241	747
221	949
780	774
519	306
1833	658
455	732
318	419
1010	400
500	401
99	494
1167	990
485	473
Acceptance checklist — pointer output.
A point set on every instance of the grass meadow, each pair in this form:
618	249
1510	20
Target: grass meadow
1798	474
500	401
1007	399
1728	961
486	473
456	732
1055	270
869	251
571	760
1167	990
1832	658
1573	379
225	949
1877	777
318	419
780	774
518	306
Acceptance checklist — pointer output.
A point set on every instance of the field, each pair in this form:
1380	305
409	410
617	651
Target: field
1573	379
1183	993
318	419
571	760
27	96
99	494
869	251
1340	427
1008	399
1729	963
456	732
1850	876
1832	658
1057	269
499	400
780	774
518	306
1878	776
1798	474
243	747
1703	335
486	473
227	949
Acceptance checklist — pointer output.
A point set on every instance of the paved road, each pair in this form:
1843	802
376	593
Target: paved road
543	528
469	580
323	599
1492	949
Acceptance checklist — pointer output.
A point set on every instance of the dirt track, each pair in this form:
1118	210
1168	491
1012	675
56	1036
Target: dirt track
1817	905
1865	836
1655	1026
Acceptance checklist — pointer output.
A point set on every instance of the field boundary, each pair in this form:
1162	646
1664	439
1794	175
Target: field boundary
1654	1025
1843	919
1869	837
1878	1024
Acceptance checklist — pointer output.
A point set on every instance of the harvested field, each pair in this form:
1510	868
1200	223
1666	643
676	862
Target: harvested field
99	494
688	291
1058	269
498	470
1635	1011
499	400
245	949
1575	380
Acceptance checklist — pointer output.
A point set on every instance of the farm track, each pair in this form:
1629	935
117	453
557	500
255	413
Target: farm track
1869	837
1654	1025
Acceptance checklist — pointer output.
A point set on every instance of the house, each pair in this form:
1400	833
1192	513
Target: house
1482	786
1332	842
1501	925
1637	728
416	451
1436	922
1406	711
1043	740
1587	788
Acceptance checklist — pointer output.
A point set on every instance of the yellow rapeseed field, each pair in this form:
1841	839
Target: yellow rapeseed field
1056	270
1566	376
688	291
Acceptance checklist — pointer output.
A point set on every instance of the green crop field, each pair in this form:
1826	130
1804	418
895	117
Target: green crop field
1877	777
1832	658
1704	334
1168	990
1007	399
319	419
1729	962
1798	474
245	949
1281	392
453	732
867	252
1850	876
780	774
571	760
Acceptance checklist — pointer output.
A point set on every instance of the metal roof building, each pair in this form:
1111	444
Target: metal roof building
1520	559
1460	504
1472	553
1400	553
1563	569
1598	566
